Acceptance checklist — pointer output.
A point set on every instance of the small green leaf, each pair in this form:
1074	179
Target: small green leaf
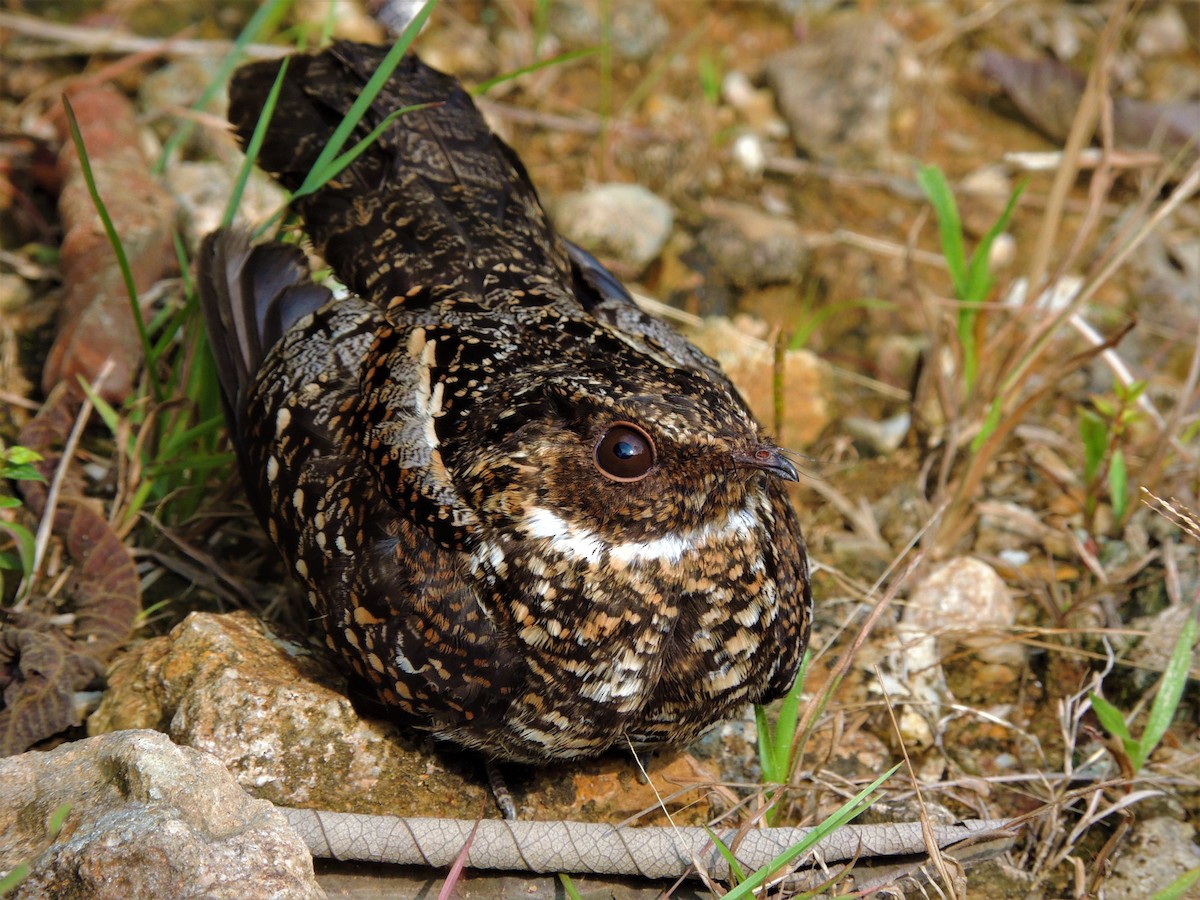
1094	434
1110	717
19	456
23	472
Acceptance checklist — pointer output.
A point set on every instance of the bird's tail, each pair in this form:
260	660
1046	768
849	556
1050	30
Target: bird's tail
434	203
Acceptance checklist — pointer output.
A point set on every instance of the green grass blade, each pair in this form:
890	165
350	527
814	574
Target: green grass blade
1180	887
118	247
990	424
569	887
1166	701
979	279
267	13
1110	717
332	170
254	147
1118	484
108	415
196	465
1094	434
936	188
766	746
789	717
563	58
359	108
848	811
15	876
736	873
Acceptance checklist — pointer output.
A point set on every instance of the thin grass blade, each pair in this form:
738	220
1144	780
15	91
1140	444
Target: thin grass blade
114	239
1166	701
360	106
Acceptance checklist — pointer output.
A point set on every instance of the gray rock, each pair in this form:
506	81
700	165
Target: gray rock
622	222
878	437
751	248
835	90
1149	656
222	684
203	188
966	600
171	90
278	719
1159	850
147	819
638	28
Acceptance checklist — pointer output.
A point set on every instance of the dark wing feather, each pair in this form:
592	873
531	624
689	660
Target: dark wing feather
250	295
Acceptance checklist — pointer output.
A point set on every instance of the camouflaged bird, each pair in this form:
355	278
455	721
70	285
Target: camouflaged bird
531	519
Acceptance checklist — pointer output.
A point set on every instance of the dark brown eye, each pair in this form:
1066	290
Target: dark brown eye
624	452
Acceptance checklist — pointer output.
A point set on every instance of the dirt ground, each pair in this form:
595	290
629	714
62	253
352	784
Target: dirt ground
1000	492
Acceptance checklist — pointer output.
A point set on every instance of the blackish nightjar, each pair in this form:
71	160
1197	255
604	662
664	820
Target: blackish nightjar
532	519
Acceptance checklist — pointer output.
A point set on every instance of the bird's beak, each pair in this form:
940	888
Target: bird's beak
769	459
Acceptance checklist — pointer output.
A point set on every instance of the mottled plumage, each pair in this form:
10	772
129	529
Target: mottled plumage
531	518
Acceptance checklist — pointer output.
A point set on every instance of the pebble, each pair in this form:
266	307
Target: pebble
751	248
202	190
625	223
966	601
835	90
1162	33
638	29
14	292
878	437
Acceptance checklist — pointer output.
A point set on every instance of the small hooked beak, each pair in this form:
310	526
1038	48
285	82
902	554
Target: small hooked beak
769	459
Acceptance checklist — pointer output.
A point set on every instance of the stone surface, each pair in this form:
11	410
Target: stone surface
1157	852
965	600
751	248
146	819
835	90
878	437
622	223
749	361
202	190
638	29
279	721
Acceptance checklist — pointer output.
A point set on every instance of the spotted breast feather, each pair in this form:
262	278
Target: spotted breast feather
533	519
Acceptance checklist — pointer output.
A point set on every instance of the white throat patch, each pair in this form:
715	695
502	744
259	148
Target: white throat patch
577	542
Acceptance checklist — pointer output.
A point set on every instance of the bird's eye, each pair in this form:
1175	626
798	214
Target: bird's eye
624	452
